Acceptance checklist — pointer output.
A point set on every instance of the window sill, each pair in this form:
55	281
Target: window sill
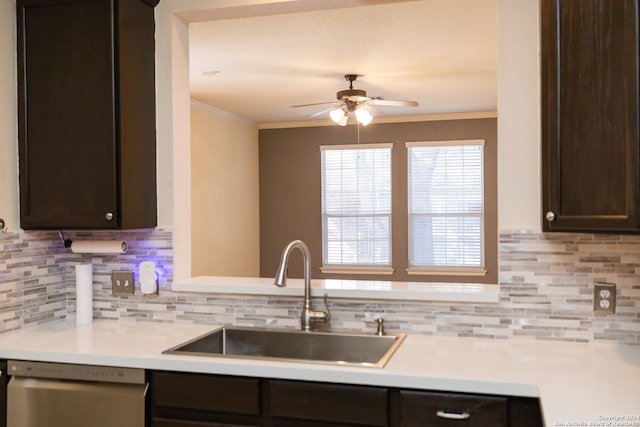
348	289
446	272
356	270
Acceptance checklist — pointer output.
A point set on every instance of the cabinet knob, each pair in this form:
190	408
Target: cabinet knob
109	216
550	216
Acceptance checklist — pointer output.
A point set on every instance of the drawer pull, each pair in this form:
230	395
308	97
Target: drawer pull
452	415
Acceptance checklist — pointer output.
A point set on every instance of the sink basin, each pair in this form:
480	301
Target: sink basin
293	345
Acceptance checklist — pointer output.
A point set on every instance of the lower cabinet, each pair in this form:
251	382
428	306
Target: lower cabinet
186	400
186	423
418	409
299	403
200	400
4	379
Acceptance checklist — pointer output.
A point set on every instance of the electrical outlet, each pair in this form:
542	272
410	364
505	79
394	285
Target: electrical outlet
122	282
604	297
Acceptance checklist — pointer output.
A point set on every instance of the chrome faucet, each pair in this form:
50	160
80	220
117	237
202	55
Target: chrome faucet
308	314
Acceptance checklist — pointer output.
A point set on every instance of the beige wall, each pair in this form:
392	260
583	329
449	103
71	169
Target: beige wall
224	194
8	117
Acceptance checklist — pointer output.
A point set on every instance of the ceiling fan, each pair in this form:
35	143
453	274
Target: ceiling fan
353	100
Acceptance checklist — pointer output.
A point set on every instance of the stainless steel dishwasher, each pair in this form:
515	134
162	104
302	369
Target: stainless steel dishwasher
67	395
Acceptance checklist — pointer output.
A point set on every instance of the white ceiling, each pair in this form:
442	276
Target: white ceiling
441	53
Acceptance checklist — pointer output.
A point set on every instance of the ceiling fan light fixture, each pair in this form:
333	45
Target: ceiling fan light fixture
339	116
363	116
352	101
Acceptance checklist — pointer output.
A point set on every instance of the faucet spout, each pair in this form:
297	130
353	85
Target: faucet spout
308	314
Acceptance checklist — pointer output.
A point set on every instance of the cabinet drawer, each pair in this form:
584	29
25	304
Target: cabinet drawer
206	393
451	409
182	423
329	403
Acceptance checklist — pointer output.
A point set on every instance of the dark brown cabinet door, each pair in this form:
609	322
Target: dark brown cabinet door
590	115
86	112
525	412
297	403
185	399
182	423
4	379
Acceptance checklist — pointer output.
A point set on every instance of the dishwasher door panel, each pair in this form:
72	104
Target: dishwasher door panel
39	402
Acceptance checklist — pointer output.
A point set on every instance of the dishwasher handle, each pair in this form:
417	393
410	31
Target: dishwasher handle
71	371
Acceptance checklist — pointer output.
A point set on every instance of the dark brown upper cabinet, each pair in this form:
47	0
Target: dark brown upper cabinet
590	115
86	114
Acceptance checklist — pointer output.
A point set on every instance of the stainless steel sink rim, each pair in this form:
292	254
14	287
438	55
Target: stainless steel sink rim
303	346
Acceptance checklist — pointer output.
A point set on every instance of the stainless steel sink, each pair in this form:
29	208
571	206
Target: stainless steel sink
293	345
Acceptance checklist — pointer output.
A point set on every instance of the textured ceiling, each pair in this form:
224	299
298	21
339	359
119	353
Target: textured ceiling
441	53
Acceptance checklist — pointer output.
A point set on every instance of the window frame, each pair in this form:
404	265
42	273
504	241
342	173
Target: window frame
449	270
366	269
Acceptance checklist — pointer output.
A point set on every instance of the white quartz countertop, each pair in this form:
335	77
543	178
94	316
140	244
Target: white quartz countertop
577	383
337	288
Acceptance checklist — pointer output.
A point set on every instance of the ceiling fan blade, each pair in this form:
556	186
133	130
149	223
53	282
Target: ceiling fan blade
319	113
373	109
390	103
317	103
359	99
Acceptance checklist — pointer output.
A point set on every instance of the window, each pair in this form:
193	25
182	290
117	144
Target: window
446	207
356	208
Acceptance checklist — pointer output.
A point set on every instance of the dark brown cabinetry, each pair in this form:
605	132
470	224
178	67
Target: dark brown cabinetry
178	399
296	403
590	115
86	114
185	399
4	379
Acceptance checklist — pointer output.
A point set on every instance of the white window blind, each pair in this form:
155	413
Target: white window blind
356	205
446	204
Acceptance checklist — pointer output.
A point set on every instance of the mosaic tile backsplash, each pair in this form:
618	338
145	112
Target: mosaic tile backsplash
546	290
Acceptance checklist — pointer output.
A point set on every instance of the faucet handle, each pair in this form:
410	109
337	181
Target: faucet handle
326	305
320	316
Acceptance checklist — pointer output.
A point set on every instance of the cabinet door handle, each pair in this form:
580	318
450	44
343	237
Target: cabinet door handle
453	415
109	216
550	216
